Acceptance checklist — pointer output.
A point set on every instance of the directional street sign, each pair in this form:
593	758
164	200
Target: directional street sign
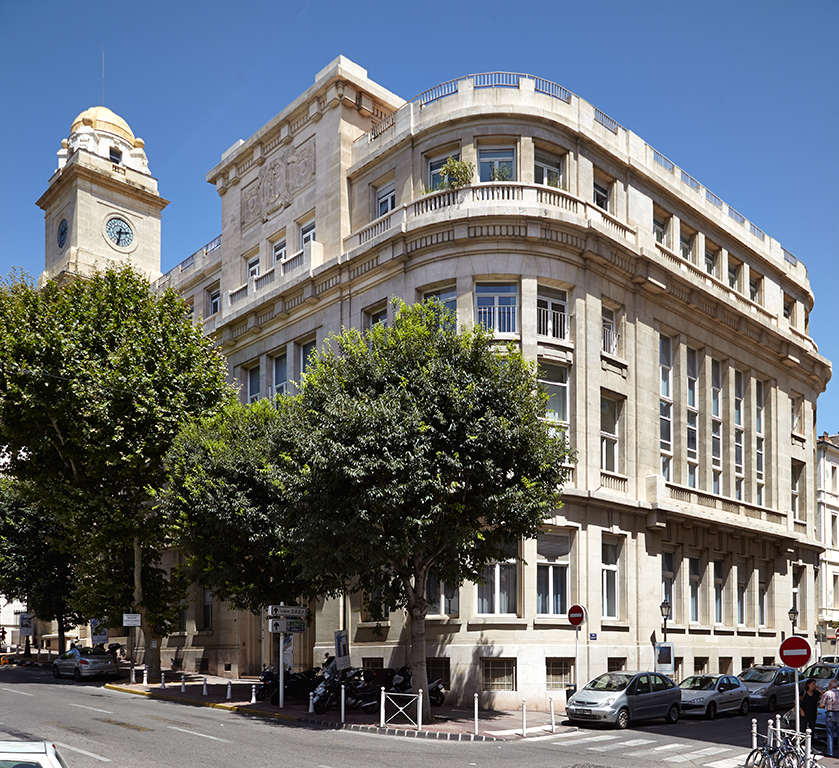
795	651
287	611
286	625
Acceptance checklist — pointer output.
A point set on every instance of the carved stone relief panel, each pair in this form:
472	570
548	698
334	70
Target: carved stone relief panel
279	180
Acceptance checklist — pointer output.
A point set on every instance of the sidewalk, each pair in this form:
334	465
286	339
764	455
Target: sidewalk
448	722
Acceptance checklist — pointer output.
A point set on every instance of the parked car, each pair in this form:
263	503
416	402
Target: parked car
822	672
622	697
30	754
85	662
708	694
770	686
830	659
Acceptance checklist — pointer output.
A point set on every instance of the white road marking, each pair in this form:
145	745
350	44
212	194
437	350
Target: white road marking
654	750
92	709
583	739
195	733
729	762
82	752
630	743
22	693
699	753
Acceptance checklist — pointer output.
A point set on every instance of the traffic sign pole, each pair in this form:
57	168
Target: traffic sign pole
577	615
795	652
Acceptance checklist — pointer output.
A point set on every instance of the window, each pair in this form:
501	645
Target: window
496	306
695	585
439	669
754	287
498	674
763	597
716	427
443	600
692	432
558	673
385	199
446	296
253	267
552	552
834	530
253	384
307	349
797	576
609	445
796	505
742	594
307	233
733	275
547	170
601	195
789	308
609	570
207	610
659	230
436	179
373	607
739	434
615	663
719	592
499	592
665	406
610	328
374	662
552	317
280	386
668	574
280	253
115	155
214	299
759	444
376	316
796	412
497	164
686	247
711	263
554	379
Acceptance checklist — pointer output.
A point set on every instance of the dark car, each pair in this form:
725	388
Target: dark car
770	686
621	697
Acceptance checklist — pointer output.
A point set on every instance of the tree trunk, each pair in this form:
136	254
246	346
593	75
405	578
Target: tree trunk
419	674
61	635
151	640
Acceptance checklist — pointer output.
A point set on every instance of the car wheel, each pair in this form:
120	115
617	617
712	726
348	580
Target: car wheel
744	706
672	715
773	704
55	673
711	712
77	675
622	721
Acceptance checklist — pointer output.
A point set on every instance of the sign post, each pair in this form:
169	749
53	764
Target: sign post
577	615
795	652
282	619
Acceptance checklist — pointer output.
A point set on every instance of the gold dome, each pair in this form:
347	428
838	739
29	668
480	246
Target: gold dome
102	119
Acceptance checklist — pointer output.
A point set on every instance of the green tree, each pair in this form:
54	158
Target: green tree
421	450
35	564
97	378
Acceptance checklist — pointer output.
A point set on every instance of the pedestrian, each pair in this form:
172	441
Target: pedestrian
830	703
808	704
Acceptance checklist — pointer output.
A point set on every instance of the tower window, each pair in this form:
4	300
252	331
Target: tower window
116	155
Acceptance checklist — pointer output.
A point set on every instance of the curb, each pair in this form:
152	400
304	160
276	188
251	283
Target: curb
404	732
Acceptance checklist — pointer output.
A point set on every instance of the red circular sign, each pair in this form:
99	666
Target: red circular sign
795	651
576	615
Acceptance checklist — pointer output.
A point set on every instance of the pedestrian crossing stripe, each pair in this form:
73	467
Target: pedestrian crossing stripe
630	743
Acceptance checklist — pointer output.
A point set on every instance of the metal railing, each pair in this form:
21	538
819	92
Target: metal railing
499	319
554	324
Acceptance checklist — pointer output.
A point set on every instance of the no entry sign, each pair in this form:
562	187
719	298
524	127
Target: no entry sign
576	615
795	651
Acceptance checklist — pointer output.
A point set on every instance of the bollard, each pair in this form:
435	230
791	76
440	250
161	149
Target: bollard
145	675
778	729
523	718
382	708
229	690
343	702
754	733
204	692
419	709
311	702
476	714
553	718
808	746
162	679
253	694
770	733
183	683
133	679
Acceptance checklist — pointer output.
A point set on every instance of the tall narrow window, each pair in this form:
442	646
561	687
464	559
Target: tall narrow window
716	427
711	263
279	252
547	170
280	375
385	199
719	592
253	384
739	434
554	378
659	230
742	592
797	575
496	306
215	301
307	233
763	597
665	362
692	432
253	267
306	351
207	612
498	594
443	600
552	317
446	296
610	330
609	448
760	477
436	178
668	574
685	248
796	506
609	587
552	551
695	582
601	195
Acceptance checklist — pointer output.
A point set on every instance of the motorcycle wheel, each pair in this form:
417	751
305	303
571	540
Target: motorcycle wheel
263	693
437	697
370	707
321	704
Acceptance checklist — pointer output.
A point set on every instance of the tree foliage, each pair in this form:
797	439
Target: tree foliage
97	377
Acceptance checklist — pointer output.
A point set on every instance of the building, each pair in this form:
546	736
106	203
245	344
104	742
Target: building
827	515
671	334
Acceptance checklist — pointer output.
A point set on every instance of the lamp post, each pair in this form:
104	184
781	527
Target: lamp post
793	617
666	613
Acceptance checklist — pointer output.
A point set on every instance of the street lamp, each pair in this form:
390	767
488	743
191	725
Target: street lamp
666	613
793	617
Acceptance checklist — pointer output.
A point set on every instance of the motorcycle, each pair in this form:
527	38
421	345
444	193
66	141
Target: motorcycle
402	683
358	693
269	684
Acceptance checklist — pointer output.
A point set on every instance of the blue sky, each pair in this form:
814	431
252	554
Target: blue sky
741	94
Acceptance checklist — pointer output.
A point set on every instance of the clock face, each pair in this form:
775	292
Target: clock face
119	231
62	233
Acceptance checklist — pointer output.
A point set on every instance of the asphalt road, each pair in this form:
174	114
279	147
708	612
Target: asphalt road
94	726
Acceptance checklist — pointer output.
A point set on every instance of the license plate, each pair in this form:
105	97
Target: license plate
583	711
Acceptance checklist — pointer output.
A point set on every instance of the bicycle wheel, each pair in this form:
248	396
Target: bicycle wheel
760	757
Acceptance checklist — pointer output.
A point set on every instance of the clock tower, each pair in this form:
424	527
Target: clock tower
102	206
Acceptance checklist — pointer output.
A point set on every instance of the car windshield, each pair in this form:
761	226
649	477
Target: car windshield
698	683
758	675
820	673
613	681
93	652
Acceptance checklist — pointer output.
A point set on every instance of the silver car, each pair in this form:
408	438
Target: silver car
621	697
30	754
709	694
770	686
85	662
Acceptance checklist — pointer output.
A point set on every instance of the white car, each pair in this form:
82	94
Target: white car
30	754
84	662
